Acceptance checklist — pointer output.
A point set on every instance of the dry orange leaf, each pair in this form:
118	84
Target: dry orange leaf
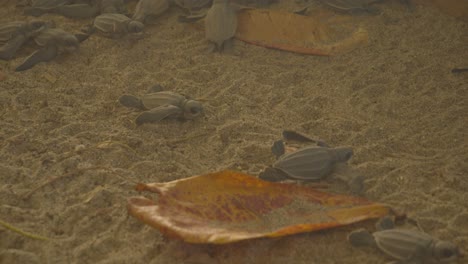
229	206
302	34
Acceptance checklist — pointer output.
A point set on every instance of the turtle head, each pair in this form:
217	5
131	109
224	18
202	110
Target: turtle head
69	42
343	154
192	109
135	27
445	251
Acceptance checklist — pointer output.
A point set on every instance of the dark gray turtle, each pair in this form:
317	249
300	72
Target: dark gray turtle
220	23
160	105
52	41
76	9
311	162
117	25
404	245
146	9
14	34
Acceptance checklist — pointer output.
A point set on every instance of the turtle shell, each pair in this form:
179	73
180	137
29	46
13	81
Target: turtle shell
12	29
192	4
153	100
404	244
220	22
112	23
57	36
312	162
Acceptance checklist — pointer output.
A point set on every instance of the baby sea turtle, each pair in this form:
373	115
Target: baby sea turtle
308	163
116	25
407	246
147	9
220	23
160	105
311	162
14	34
52	41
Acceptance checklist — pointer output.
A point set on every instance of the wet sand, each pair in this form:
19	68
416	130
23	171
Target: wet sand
71	155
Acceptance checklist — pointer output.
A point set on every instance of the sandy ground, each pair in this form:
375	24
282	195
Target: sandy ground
70	154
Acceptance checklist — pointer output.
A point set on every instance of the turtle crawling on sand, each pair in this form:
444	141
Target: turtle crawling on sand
220	24
159	105
116	25
407	246
52	41
14	34
308	163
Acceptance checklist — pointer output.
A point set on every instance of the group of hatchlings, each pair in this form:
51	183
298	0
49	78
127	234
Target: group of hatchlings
311	162
110	20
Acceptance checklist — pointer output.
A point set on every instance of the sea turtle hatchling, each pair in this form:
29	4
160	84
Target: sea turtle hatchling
116	25
405	245
14	34
312	162
52	41
220	23
161	105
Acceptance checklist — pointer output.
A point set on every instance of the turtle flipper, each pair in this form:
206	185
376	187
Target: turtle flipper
131	101
78	11
302	11
157	114
45	54
8	51
291	135
361	237
272	175
82	37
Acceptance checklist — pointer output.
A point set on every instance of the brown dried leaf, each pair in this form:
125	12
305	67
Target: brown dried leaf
228	206
302	34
